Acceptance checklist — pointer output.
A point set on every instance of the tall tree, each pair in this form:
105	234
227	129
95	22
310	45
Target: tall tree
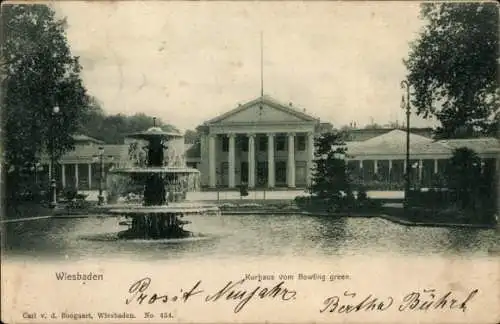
372	126
330	174
464	175
39	73
113	129
191	136
453	66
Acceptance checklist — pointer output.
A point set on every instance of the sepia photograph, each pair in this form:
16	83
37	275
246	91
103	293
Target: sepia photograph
265	162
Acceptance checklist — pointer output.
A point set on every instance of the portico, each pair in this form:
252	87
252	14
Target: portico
262	143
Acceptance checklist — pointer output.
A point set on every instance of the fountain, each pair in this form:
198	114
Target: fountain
164	179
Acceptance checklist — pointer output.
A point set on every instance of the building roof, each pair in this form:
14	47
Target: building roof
359	135
484	144
85	138
394	143
268	100
87	153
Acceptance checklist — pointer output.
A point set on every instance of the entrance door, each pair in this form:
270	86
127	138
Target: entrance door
261	173
224	177
280	173
244	172
300	174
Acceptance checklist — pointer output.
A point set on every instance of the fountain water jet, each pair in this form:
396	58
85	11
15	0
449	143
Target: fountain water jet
164	180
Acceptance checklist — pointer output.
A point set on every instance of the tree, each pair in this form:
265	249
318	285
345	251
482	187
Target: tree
330	178
453	66
191	136
392	124
39	73
463	175
372	126
113	129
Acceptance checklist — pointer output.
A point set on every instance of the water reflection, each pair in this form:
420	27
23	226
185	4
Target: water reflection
244	235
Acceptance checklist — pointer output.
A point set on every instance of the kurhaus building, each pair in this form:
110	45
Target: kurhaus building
260	143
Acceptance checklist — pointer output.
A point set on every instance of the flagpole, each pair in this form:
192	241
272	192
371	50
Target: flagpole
261	64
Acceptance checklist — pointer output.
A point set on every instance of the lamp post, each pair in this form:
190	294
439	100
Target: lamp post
100	156
35	168
405	104
100	198
53	184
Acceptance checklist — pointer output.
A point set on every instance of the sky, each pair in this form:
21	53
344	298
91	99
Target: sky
187	62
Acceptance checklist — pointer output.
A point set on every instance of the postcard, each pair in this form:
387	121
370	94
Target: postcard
250	162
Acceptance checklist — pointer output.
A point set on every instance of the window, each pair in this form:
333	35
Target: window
262	143
281	172
262	173
244	172
280	143
301	143
244	144
225	144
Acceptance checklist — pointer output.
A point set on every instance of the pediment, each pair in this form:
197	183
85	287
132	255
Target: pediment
262	110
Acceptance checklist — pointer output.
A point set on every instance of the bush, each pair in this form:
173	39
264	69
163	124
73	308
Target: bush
70	194
243	190
378	185
362	195
302	199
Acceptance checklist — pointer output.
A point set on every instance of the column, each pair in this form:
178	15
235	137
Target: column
231	161
291	160
63	175
390	171
89	167
361	174
212	181
76	176
251	160
270	160
310	157
420	167
375	167
51	166
435	166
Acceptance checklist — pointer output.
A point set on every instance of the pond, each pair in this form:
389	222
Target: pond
253	236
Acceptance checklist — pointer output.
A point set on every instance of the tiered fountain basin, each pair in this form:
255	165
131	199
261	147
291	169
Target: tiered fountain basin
159	222
157	171
184	208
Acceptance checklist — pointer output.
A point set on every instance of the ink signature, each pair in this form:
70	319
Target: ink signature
232	291
425	300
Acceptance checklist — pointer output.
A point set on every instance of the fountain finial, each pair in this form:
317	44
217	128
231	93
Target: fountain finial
154	121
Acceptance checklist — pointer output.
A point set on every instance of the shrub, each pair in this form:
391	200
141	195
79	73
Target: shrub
70	194
243	190
302	200
330	174
362	195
